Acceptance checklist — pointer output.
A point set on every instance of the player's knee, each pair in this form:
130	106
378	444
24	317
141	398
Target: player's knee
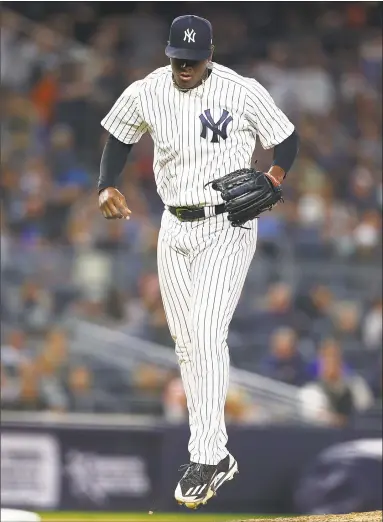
183	352
208	337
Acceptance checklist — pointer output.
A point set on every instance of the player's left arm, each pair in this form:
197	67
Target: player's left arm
274	130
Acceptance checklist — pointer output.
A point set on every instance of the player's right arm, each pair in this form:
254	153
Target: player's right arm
125	126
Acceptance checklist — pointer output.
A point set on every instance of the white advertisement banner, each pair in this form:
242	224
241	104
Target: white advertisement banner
30	470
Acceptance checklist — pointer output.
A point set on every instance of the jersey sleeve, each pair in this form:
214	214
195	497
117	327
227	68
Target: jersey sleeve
270	123
124	120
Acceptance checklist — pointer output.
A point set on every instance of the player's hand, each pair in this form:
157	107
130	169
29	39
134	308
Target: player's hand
113	204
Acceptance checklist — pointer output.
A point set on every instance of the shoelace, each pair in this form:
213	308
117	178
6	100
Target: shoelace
192	470
194	466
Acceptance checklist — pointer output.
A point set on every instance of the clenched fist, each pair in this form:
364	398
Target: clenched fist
113	204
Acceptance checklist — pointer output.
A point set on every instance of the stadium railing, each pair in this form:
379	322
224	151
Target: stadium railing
280	401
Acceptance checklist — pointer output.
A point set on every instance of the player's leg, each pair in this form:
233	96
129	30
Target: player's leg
218	273
222	256
185	289
175	283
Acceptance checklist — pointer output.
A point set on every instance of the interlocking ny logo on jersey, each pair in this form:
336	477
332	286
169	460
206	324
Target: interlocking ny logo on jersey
190	35
218	128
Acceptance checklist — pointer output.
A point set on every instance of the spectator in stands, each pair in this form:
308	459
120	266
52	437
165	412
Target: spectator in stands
149	379
346	319
149	293
143	21
51	387
335	395
36	308
20	129
85	22
74	103
284	362
240	409
10	388
152	324
276	310
157	330
114	304
69	181
81	398
372	327
15	352
149	248
315	307
329	347
362	188
56	349
149	383
174	399
367	235
84	396
30	396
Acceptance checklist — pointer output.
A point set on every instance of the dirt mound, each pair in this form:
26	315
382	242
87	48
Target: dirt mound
373	516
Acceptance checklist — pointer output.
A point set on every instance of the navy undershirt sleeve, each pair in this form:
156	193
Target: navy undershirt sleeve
113	161
286	152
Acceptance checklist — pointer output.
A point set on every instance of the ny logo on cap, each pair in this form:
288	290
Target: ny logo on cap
218	128
190	35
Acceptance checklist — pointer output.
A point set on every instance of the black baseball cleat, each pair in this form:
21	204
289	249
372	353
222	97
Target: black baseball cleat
201	481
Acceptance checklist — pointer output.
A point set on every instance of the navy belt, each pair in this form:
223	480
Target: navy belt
194	213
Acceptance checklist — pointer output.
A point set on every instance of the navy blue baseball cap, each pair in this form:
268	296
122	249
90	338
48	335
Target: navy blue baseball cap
190	38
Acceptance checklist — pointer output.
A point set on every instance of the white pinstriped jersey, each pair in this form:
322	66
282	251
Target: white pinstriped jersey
200	134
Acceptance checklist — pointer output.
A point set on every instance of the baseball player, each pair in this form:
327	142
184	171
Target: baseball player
204	120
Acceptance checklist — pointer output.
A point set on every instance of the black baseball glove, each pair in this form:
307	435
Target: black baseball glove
247	193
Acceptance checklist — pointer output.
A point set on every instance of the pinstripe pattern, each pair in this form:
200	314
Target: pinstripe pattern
202	268
183	161
202	265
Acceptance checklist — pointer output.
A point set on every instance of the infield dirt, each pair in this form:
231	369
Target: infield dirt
373	516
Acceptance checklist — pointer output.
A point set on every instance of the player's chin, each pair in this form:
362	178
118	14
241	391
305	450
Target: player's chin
186	80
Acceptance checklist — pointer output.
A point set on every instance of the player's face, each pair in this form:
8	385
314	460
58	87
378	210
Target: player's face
188	73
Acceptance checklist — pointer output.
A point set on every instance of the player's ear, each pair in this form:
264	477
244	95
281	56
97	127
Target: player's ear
211	56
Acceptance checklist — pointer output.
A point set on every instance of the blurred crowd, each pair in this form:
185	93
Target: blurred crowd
311	315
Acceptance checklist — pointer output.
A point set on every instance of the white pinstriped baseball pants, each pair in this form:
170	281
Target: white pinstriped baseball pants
202	268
